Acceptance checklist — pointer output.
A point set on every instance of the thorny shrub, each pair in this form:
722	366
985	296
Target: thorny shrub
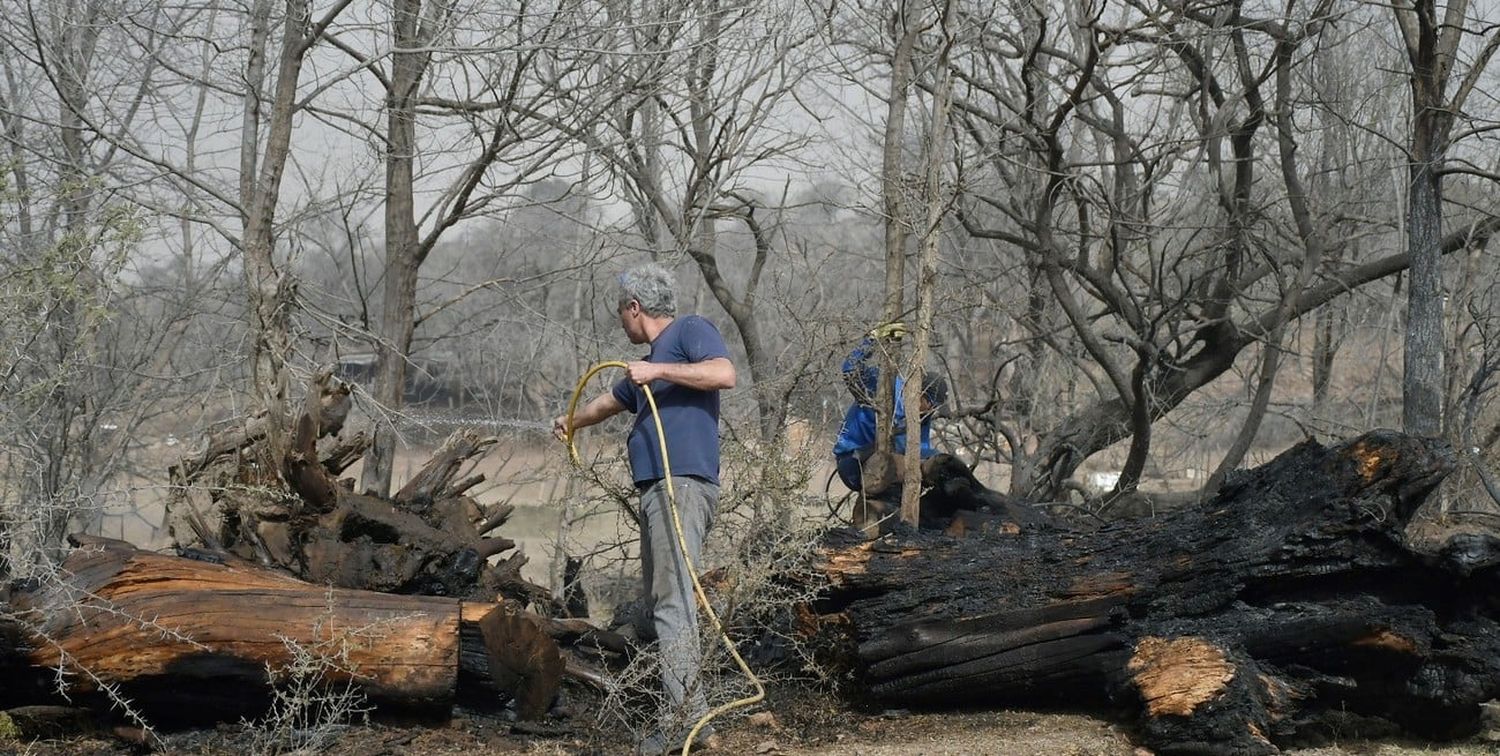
316	694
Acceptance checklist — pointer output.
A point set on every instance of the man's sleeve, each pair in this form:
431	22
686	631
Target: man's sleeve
625	393
860	376
702	341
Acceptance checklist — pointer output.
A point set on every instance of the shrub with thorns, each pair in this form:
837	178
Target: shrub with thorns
316	694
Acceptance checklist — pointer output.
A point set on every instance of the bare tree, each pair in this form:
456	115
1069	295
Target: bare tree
1160	309
88	357
503	98
686	134
938	204
908	22
1309	233
1432	50
262	168
412	37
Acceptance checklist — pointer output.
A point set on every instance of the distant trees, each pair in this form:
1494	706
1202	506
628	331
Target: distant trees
1129	208
85	354
699	93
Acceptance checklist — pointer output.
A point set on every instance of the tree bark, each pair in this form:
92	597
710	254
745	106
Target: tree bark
893	194
1291	599
1422	357
403	251
187	640
1432	46
1422	382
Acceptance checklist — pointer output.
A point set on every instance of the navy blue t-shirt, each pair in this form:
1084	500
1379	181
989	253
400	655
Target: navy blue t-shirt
689	416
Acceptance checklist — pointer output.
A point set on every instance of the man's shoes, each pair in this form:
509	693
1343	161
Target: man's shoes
657	744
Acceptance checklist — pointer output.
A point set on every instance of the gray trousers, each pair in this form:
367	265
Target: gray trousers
669	588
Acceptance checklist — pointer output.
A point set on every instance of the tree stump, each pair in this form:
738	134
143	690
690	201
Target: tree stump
429	538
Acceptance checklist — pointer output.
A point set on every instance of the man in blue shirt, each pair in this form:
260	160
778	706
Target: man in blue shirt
856	440
687	367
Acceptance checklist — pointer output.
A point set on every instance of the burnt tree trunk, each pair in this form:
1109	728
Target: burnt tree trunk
429	538
1292	599
187	640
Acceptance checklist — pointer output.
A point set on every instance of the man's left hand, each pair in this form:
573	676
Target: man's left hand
642	373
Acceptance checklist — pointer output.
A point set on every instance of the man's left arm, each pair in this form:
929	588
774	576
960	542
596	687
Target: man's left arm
713	374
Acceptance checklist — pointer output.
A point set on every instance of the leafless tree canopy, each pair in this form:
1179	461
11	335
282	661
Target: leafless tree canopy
1151	240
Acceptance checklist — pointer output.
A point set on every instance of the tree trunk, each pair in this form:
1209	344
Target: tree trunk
393	350
1289	601
1325	349
1422	384
403	255
269	289
893	194
937	209
1432	45
188	640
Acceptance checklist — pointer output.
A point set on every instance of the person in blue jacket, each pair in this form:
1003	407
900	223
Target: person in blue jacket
856	439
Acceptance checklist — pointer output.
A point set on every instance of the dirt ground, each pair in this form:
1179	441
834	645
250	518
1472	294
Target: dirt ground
797	722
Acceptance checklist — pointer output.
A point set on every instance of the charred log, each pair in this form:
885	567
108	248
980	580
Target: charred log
953	498
1252	619
575	601
956	499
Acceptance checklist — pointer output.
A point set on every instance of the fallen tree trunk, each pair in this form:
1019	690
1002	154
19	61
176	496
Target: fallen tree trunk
204	639
1288	602
186	640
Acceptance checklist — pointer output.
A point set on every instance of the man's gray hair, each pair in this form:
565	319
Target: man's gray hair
653	286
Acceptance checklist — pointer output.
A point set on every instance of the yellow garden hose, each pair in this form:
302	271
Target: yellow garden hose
661	437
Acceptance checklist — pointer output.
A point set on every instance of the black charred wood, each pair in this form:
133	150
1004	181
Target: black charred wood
1233	626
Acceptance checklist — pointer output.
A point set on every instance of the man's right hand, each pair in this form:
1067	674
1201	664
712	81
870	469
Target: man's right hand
888	331
560	428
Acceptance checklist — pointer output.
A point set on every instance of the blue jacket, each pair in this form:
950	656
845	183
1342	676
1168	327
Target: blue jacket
858	430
